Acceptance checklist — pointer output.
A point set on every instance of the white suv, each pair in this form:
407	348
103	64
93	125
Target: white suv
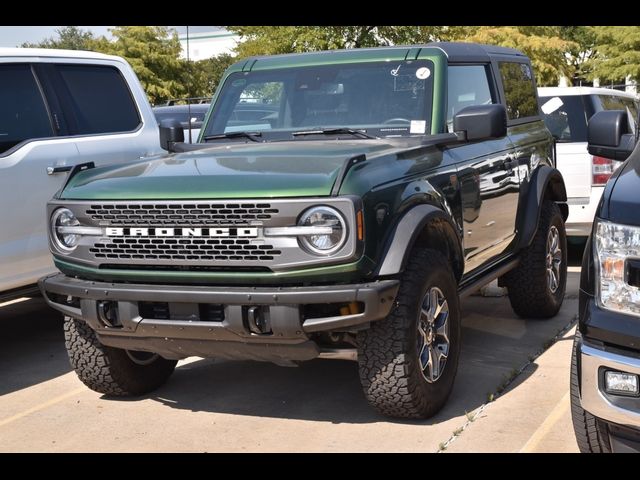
566	113
59	108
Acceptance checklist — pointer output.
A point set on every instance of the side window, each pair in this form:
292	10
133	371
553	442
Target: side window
23	115
98	100
520	93
614	102
467	85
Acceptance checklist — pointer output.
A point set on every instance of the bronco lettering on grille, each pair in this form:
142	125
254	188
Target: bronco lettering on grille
182	232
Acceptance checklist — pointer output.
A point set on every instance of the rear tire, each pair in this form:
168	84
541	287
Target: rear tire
537	285
112	371
590	433
400	358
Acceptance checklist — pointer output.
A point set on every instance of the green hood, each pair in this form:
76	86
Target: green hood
285	169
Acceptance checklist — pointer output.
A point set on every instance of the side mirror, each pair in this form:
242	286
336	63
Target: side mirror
608	135
479	122
171	132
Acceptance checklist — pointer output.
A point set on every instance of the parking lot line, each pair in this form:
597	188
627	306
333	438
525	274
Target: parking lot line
42	406
545	427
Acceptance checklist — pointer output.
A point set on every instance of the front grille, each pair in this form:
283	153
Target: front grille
201	214
163	248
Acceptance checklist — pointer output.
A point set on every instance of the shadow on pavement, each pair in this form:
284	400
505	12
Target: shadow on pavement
31	345
495	342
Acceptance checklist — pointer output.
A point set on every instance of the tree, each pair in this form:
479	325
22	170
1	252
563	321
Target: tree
617	54
202	77
541	44
154	54
271	40
70	38
578	56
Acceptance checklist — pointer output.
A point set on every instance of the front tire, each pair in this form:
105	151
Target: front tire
408	361
112	371
590	434
537	285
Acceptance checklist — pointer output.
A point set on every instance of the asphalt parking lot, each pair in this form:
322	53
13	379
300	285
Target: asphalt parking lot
506	398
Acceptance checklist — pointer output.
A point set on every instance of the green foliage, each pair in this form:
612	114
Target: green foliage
582	50
618	54
541	44
70	38
154	54
202	77
271	40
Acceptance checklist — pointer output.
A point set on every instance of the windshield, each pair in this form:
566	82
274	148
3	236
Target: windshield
383	99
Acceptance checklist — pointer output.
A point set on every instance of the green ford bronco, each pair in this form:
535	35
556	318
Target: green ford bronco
337	205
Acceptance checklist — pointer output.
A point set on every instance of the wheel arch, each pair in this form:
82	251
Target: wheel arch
425	226
546	183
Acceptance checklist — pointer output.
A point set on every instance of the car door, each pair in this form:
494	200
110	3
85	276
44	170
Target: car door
530	137
55	115
28	145
488	182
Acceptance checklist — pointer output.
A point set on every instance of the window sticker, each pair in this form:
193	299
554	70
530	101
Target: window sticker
423	73
551	105
418	126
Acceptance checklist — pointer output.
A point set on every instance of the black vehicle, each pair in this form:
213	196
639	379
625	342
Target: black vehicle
605	365
338	206
183	113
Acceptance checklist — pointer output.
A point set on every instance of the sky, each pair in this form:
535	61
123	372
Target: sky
15	36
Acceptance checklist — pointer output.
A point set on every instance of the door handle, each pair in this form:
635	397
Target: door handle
62	169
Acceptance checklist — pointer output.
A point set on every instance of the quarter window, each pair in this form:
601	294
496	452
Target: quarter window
98	100
467	85
23	115
519	90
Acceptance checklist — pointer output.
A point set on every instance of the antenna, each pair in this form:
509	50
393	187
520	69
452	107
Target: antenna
189	88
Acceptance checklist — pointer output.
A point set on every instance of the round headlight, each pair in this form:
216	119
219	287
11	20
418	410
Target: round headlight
326	243
63	217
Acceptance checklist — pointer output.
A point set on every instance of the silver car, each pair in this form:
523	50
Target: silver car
58	109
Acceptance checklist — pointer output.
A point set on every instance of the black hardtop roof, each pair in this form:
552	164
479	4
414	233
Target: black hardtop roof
467	52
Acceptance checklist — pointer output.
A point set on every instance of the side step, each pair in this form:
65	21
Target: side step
481	279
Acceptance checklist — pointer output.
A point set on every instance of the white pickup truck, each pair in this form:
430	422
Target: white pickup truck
566	113
59	108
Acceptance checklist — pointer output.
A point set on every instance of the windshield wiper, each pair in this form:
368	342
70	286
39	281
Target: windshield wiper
333	131
253	136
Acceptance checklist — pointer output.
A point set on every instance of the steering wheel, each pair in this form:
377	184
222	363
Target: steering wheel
396	120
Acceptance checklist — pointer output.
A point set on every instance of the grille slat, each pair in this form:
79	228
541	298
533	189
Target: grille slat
180	214
165	248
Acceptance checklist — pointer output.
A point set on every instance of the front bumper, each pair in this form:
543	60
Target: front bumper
185	334
594	360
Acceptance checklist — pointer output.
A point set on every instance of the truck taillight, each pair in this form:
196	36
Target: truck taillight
601	170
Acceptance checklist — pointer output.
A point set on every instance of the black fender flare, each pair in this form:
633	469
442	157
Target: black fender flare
544	177
406	232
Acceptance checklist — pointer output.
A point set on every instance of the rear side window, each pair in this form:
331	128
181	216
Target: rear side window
519	90
565	117
98	100
467	85
613	102
23	115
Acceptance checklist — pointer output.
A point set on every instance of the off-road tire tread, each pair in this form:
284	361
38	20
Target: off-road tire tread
109	370
527	283
384	366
